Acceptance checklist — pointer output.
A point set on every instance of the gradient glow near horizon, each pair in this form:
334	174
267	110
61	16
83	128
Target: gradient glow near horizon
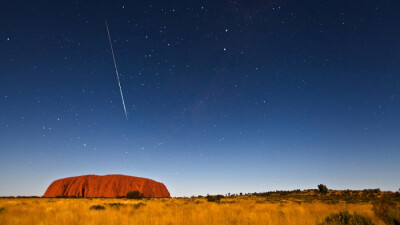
222	96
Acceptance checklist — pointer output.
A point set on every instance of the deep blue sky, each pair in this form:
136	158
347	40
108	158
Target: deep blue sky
222	96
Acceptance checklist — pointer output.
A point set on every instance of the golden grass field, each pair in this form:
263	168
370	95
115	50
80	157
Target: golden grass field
188	211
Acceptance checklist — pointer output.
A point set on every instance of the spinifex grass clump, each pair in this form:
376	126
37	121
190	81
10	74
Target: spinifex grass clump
97	207
138	205
345	218
116	205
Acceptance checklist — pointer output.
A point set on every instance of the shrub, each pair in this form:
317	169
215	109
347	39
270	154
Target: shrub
387	212
97	207
138	205
345	218
214	198
2	209
134	195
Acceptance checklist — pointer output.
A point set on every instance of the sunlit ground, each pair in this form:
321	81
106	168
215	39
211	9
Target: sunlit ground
231	210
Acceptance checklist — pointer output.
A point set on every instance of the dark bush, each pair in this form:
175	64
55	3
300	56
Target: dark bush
134	195
214	198
345	218
2	209
97	207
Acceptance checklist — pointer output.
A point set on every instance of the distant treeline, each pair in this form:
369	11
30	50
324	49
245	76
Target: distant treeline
21	196
375	191
322	194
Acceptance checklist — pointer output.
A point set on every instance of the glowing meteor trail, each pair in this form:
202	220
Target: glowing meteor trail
116	70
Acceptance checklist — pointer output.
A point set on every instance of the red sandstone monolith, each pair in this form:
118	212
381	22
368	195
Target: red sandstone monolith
105	186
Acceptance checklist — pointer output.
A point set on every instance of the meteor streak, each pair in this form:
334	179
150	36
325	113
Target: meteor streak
116	70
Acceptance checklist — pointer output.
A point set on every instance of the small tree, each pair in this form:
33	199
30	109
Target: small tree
322	189
134	195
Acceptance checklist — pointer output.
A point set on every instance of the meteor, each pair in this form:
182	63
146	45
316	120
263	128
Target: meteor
116	70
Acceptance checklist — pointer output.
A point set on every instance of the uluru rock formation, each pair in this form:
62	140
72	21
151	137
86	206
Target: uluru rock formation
105	186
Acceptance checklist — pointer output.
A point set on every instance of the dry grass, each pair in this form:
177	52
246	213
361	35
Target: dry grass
237	210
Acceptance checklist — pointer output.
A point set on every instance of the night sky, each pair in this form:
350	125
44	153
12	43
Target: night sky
221	96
